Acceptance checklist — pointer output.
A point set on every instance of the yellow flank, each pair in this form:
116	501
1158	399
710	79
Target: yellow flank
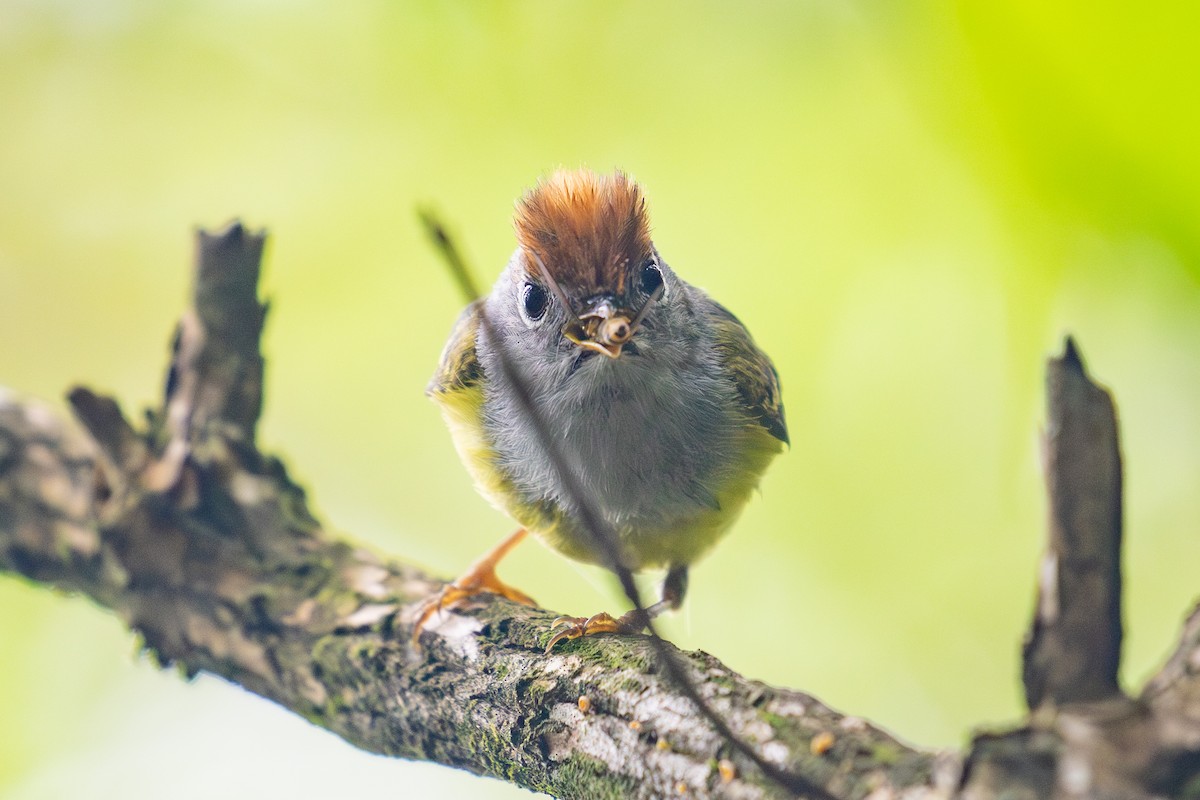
462	411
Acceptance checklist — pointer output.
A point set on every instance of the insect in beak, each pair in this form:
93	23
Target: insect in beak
603	328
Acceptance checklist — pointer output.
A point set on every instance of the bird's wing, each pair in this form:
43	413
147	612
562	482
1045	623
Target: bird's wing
459	369
753	373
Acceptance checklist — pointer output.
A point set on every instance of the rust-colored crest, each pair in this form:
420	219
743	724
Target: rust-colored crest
587	229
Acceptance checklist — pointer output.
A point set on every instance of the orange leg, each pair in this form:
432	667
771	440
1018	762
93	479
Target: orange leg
480	578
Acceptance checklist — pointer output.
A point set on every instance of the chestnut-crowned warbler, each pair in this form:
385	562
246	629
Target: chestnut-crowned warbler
660	400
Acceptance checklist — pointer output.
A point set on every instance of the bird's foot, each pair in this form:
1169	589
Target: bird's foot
481	578
574	627
454	595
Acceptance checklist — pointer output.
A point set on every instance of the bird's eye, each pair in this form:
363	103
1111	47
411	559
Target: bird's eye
534	301
652	276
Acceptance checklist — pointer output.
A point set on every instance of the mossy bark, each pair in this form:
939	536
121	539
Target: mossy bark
323	628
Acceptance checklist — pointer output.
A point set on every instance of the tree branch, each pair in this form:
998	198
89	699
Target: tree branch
205	547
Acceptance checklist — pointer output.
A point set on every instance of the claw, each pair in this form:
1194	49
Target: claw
451	595
568	621
574	627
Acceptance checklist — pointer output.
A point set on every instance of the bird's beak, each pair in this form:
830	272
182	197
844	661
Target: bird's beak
603	328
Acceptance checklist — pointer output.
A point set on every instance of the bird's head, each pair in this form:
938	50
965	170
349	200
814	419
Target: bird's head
586	268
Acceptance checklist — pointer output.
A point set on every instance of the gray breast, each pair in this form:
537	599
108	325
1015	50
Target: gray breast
651	444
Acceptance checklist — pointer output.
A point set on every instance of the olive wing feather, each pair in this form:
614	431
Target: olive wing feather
753	373
459	368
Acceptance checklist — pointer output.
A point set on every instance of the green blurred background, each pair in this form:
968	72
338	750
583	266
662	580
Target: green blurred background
908	204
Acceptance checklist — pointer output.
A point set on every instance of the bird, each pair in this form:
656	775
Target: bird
662	404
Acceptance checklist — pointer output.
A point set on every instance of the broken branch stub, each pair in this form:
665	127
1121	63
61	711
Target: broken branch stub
1073	651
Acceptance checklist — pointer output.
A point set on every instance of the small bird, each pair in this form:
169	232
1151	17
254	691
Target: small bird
658	396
